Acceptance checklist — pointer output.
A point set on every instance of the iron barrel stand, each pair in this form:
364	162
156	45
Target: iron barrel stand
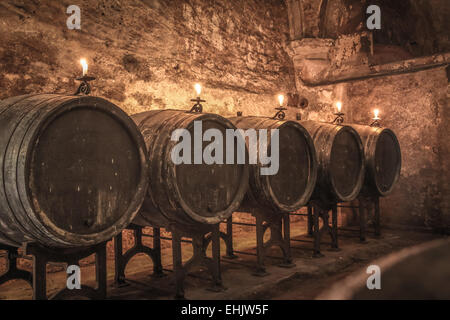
317	211
121	259
279	226
368	205
71	256
309	220
200	240
12	270
332	230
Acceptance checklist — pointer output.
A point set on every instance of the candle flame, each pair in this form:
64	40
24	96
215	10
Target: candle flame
339	106
281	99
84	64
376	112
198	88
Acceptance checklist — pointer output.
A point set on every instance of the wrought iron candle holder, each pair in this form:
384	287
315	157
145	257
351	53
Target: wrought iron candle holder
376	119
339	118
280	115
85	87
198	107
376	122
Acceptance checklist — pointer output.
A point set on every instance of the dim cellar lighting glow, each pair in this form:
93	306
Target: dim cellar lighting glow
281	99
198	88
84	64
339	106
376	112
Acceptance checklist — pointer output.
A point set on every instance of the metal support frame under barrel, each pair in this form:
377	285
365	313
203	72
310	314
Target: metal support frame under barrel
121	259
317	211
200	239
12	270
314	214
279	226
366	206
71	256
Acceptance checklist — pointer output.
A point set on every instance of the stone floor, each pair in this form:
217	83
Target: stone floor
308	279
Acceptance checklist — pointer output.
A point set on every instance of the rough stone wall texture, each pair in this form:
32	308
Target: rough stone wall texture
148	54
418	27
444	151
414	105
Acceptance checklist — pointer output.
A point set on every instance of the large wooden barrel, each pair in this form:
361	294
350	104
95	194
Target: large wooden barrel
383	159
73	170
187	194
291	187
340	159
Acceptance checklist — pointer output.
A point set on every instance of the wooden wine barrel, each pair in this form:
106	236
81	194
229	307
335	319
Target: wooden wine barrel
187	194
73	170
341	161
291	187
383	159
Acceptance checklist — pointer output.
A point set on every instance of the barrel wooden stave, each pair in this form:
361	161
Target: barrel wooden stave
38	201
292	186
186	194
383	159
340	161
16	114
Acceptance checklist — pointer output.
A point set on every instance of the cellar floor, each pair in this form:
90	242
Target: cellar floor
308	279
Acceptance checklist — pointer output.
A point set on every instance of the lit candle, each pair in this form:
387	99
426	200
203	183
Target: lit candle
339	114
84	64
376	112
198	89
197	106
281	99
